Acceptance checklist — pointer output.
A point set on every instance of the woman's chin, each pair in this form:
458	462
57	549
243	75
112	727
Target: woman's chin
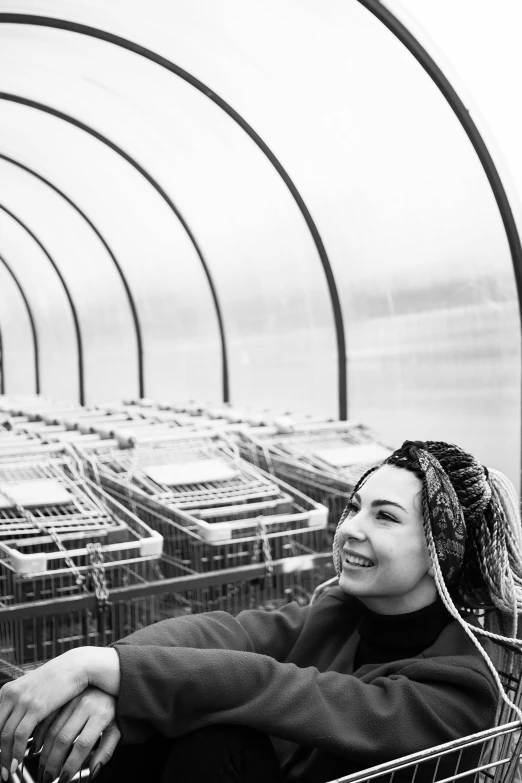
351	584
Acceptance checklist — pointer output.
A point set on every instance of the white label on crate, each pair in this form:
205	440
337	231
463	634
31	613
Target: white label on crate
353	455
39	492
200	472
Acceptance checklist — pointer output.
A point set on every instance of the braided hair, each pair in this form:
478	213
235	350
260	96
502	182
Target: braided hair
476	553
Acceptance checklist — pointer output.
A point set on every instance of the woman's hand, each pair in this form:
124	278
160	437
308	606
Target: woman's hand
69	737
29	700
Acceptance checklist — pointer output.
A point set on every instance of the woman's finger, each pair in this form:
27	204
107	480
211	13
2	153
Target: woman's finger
14	739
56	733
40	732
69	763
75	731
103	753
21	736
27	701
6	709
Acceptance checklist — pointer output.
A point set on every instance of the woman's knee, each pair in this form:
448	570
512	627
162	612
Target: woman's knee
224	753
217	753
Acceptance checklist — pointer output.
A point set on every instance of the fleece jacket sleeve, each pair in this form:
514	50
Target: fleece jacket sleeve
426	702
269	633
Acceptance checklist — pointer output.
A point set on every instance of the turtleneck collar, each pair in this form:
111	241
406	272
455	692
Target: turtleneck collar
388	637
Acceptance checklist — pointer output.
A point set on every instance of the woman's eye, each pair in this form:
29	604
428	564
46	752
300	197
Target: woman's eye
352	508
387	517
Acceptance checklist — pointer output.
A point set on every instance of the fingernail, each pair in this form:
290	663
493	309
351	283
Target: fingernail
5	773
96	771
48	778
14	766
64	778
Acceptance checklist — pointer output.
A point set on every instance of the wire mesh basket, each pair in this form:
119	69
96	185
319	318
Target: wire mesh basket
322	459
491	756
197	482
51	517
190	553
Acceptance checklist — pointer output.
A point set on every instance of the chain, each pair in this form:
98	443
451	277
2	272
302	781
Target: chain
97	571
133	464
97	574
25	514
263	545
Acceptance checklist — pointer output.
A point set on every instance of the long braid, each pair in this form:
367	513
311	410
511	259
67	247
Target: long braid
470	630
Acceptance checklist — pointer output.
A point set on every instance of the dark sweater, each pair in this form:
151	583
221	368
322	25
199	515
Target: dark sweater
388	637
293	674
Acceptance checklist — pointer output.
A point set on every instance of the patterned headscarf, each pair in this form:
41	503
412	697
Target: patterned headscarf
441	511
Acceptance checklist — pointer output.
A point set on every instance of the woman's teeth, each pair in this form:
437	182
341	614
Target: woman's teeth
359	561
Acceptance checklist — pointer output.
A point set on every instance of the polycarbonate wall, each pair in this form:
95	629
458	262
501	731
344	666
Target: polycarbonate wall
291	180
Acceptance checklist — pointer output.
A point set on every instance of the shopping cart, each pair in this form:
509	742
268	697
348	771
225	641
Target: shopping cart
322	459
204	485
51	520
63	537
32	450
12	441
490	756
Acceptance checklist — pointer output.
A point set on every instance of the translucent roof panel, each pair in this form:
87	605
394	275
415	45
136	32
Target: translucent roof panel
429	296
290	139
220	180
485	84
151	246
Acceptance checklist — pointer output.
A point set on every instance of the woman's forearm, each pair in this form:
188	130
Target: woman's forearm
98	666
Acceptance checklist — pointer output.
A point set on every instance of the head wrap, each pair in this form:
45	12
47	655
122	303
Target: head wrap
442	512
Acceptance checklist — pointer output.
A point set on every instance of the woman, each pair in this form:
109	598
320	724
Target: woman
383	665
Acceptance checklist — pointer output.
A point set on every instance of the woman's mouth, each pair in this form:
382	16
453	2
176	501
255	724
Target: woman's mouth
357	561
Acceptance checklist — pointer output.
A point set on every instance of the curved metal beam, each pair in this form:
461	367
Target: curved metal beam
396	27
124	43
77	329
87	129
130	298
31	321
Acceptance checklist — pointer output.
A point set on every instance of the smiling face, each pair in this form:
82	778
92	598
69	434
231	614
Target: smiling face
384	557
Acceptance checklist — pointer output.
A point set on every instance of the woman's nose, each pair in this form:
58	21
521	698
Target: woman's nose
353	527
